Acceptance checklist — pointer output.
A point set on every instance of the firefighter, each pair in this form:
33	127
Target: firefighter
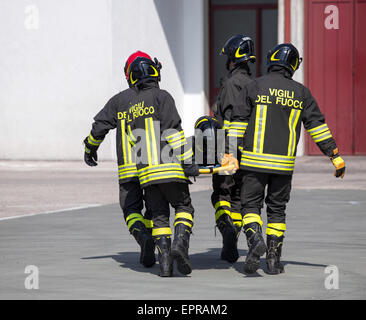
225	198
164	162
272	109
130	191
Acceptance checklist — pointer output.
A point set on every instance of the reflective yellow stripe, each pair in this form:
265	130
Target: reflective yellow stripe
148	146
93	141
133	215
252	217
236	216
123	133
293	120
260	127
322	137
162	177
173	137
203	120
148	223
184	215
153	141
267	165
184	222
220	212
276	229
178	143
278	226
222	204
318	129
161	231
186	155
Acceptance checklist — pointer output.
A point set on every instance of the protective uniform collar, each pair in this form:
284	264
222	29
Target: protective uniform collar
280	70
146	85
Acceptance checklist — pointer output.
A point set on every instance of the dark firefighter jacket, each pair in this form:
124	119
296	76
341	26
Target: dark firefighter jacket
269	113
152	111
231	86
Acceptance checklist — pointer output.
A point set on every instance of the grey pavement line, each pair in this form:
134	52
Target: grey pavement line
53	211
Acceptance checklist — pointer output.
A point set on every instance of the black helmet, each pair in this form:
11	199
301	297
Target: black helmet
239	49
143	69
206	143
285	55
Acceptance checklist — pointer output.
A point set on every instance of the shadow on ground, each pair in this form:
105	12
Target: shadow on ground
208	260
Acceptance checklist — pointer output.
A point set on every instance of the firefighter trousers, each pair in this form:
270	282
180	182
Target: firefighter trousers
225	197
276	197
158	196
131	199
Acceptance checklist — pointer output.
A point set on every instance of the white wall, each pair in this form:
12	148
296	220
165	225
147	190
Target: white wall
56	74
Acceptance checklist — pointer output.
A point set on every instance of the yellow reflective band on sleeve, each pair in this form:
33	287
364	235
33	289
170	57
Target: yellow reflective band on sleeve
320	133
93	141
175	136
178	143
161	231
222	204
226	124
186	155
293	120
260	128
148	223
184	215
220	212
252	217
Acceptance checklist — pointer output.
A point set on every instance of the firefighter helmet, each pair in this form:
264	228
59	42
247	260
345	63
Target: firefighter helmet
238	48
285	55
206	140
140	67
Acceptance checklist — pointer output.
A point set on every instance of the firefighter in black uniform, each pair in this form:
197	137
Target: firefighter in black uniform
225	198
164	162
130	192
273	108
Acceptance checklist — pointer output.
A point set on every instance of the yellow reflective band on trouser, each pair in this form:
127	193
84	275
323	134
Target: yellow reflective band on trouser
161	232
185	218
184	215
134	217
222	204
220	212
252	217
148	223
276	229
237	218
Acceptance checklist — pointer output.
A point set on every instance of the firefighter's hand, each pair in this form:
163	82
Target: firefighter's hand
191	170
90	154
339	164
227	160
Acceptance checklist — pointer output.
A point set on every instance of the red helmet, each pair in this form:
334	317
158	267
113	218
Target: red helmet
131	58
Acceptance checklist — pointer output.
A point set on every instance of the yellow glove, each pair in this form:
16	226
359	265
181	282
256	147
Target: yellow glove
338	163
229	160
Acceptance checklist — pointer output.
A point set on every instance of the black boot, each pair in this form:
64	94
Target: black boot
180	248
146	242
163	245
274	249
229	233
256	245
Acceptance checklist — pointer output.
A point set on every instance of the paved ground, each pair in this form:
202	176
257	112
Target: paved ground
88	253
